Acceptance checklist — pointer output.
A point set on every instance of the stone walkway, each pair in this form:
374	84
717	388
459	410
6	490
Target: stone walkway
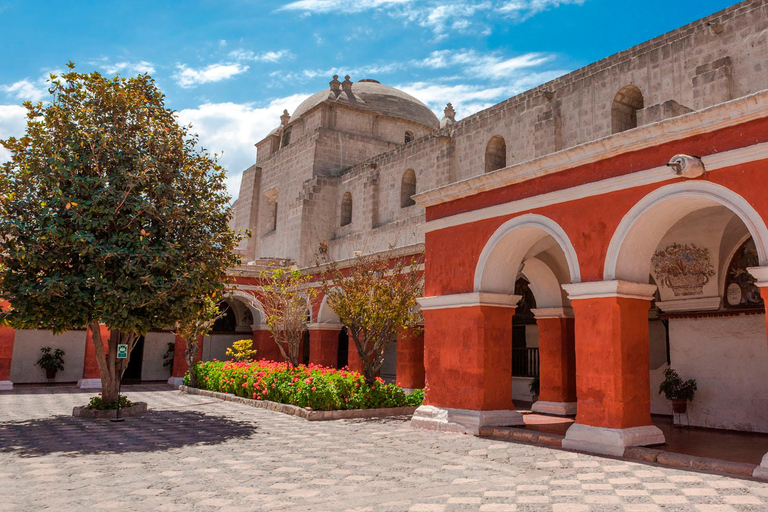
195	453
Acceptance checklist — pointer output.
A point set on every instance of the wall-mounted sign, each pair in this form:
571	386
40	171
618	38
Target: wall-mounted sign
122	351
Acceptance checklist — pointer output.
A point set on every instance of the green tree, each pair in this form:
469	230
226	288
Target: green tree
374	297
195	320
110	213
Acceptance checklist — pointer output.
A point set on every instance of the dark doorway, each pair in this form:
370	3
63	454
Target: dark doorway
525	360
343	358
132	374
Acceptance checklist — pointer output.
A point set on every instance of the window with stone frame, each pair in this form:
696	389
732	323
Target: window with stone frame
495	154
624	109
346	209
270	211
408	188
286	138
408	136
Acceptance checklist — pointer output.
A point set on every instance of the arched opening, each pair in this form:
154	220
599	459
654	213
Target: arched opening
624	109
695	241
343	351
238	314
495	154
532	256
408	188
408	136
346	209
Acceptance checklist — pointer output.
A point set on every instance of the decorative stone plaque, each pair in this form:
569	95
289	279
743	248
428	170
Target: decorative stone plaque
734	294
683	268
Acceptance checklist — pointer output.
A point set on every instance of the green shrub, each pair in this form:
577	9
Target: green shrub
313	386
97	403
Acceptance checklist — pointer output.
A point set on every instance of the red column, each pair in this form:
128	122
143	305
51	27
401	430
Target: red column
410	359
468	362
354	361
265	345
557	361
7	336
180	365
324	344
612	378
91	377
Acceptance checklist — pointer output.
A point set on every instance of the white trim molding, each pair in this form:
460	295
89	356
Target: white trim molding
702	190
260	327
607	289
89	384
555	408
323	326
463	300
6	385
761	274
552	313
690	304
610	441
464	421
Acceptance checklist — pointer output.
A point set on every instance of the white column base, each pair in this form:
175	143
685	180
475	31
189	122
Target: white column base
555	408
89	384
6	385
462	420
761	471
176	381
610	441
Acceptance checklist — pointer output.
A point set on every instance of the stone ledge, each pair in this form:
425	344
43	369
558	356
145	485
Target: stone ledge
138	409
309	415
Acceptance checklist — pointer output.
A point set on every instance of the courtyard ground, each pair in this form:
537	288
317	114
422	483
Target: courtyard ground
196	453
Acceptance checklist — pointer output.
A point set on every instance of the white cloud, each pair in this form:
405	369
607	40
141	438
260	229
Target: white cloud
13	119
271	56
26	89
490	65
441	16
357	73
190	77
129	68
231	130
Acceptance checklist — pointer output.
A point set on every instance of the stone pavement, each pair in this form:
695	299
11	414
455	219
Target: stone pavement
195	453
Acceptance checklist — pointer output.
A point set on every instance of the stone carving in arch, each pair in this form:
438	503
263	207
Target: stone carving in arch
501	259
636	238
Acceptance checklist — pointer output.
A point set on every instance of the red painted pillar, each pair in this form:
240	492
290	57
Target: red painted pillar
91	378
468	362
354	361
612	378
557	362
324	344
410	359
7	335
265	345
761	275
180	365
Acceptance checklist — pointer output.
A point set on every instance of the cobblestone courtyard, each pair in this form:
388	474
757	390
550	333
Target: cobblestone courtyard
194	453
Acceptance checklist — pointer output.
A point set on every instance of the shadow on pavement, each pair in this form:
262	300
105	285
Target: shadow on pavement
157	431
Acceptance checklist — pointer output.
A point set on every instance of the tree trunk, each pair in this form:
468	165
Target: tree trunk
190	355
110	367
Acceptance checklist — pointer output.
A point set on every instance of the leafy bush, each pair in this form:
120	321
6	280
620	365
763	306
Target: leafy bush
52	361
313	386
97	403
241	350
674	388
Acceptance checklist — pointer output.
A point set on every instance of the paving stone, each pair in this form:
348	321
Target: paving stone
194	453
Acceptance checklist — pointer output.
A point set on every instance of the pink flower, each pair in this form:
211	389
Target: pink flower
314	388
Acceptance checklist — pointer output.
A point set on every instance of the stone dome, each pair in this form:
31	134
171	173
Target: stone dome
371	95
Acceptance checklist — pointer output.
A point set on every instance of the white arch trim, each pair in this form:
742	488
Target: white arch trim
703	191
485	271
257	309
543	283
326	315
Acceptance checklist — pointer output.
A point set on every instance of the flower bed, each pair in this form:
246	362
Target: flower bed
316	387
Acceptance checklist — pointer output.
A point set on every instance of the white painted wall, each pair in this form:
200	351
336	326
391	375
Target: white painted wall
155	345
26	351
727	357
520	389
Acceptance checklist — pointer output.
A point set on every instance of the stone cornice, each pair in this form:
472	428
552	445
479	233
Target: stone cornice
608	289
540	313
761	274
461	300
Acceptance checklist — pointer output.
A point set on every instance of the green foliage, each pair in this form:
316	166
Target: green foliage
51	360
242	350
97	403
534	386
674	388
311	386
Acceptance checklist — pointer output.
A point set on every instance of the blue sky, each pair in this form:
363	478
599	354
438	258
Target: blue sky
231	67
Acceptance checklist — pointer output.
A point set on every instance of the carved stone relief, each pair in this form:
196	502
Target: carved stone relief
685	269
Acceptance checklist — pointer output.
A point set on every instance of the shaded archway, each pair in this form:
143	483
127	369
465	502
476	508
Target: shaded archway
346	209
407	188
495	154
624	108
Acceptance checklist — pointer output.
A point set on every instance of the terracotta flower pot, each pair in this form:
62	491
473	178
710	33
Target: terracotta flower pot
679	406
50	374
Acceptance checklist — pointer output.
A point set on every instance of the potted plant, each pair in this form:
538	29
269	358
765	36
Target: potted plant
51	361
533	387
678	391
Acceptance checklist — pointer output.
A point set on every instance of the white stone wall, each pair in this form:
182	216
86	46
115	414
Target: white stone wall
26	351
727	357
155	346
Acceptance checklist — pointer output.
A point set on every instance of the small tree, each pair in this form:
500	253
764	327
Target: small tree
286	300
196	321
110	214
374	297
